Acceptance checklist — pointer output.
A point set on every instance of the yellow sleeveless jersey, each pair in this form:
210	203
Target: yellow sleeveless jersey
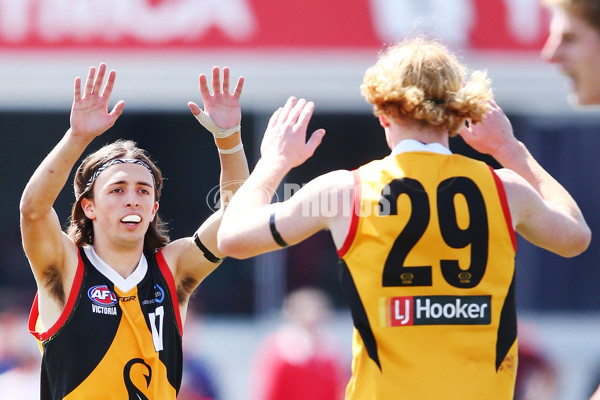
428	269
110	344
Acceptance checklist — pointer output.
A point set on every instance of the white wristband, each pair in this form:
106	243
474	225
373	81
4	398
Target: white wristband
218	132
232	150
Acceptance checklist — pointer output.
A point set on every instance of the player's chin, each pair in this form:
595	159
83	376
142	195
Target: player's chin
584	94
130	240
588	99
582	99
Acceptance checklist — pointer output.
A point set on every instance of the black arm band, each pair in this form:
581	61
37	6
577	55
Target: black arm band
274	232
207	253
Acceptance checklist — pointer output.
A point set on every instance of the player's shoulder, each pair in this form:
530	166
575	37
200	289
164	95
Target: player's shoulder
510	177
339	184
516	187
340	177
334	180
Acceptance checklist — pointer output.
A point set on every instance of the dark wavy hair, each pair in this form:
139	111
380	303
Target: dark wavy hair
80	227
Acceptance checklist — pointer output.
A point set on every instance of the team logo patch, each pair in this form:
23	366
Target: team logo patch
435	310
102	296
159	294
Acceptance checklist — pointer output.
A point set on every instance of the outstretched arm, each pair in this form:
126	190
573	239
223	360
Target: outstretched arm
245	230
556	222
222	117
43	239
222	109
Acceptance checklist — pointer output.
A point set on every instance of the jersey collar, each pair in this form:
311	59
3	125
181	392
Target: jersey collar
407	145
124	284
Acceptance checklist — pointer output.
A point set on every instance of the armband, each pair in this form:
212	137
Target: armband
207	253
276	236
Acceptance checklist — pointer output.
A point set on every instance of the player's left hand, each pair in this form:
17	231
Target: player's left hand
222	106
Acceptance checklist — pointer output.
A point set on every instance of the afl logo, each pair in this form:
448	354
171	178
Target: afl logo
102	296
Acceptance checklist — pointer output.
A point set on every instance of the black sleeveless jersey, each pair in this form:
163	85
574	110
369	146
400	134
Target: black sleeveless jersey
112	344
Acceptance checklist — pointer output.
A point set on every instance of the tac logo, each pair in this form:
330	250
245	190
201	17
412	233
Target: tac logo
159	295
435	310
102	296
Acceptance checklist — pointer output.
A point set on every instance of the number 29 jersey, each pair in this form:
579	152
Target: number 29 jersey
428	269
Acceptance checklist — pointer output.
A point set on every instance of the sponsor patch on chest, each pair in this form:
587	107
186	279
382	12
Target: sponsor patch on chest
104	300
159	296
435	310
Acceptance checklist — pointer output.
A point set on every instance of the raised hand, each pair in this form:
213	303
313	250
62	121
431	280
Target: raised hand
285	138
89	113
222	106
493	135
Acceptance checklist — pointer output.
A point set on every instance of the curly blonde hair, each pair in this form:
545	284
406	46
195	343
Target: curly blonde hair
421	79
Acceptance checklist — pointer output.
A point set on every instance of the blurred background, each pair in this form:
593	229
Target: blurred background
317	49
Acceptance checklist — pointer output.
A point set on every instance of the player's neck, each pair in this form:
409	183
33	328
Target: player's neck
402	129
426	137
123	260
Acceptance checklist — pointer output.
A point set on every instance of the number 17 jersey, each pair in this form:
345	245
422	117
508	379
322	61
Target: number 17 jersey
428	270
114	342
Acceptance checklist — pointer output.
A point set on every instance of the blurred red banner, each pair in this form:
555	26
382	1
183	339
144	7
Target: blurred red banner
259	24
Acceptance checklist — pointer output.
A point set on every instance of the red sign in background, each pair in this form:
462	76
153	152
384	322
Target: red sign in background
259	24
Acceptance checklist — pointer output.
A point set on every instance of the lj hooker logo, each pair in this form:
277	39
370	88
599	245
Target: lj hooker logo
435	310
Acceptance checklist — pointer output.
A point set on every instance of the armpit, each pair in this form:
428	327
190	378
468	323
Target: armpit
185	288
52	281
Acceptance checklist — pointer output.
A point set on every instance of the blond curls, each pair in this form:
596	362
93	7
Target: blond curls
421	79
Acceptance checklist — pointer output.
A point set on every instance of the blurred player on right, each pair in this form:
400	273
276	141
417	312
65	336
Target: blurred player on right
574	44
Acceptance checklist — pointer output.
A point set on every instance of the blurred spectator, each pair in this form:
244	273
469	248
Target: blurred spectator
594	389
198	379
300	360
536	376
596	395
19	358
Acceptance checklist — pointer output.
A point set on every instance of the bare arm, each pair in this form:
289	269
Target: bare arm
43	240
223	109
323	203
245	230
549	217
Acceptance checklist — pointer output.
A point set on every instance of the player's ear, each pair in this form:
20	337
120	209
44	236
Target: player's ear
87	206
154	210
384	121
